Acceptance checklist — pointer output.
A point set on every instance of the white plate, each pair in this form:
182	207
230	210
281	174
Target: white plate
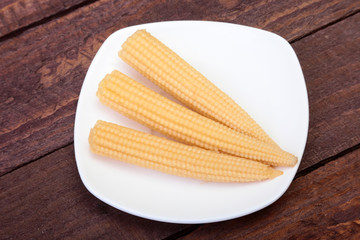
258	69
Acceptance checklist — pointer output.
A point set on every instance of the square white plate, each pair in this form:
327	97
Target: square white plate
258	69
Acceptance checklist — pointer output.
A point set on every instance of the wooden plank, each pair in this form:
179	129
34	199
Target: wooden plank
41	79
330	59
15	14
274	16
47	200
325	204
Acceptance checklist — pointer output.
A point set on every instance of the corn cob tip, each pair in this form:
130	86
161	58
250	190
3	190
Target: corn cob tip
290	162
293	160
275	173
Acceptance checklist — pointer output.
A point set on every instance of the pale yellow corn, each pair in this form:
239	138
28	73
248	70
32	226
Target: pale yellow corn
146	150
174	75
140	103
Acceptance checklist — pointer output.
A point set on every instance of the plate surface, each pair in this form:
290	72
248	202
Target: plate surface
258	69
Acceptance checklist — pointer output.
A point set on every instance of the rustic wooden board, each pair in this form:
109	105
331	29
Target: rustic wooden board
15	14
303	16
41	79
324	204
331	63
47	200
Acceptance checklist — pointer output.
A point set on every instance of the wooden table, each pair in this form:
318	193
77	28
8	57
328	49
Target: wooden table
46	47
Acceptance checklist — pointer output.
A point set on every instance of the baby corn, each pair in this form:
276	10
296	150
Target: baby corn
174	75
145	150
140	103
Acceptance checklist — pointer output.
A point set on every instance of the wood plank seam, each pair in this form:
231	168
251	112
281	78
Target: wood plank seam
291	41
38	158
183	232
45	20
326	161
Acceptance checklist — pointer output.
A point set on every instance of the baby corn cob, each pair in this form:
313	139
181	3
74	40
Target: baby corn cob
140	103
174	75
145	150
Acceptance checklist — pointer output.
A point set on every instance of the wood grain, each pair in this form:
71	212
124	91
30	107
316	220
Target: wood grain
303	16
324	204
15	14
41	79
47	200
331	63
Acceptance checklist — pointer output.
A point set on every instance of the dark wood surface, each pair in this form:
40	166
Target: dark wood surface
323	204
47	198
45	50
18	14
